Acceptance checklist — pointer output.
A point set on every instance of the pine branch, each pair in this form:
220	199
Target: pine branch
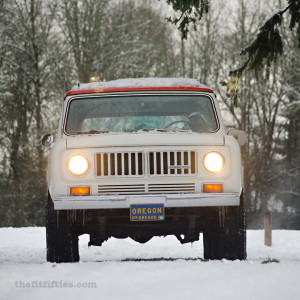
295	16
267	45
191	12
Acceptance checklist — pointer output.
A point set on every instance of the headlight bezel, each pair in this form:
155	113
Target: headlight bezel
207	169
76	174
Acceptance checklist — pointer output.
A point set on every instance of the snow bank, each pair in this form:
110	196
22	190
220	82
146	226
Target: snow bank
161	269
140	82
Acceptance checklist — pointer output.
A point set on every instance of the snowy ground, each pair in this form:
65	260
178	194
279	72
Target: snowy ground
161	269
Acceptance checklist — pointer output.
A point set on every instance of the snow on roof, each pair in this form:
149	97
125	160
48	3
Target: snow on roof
140	82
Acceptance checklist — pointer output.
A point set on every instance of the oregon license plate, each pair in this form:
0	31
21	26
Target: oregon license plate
147	212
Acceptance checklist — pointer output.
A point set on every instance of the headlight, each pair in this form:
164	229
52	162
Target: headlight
213	162
78	164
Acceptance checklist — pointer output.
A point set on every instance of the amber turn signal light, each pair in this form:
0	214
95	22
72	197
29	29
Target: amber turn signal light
212	188
82	190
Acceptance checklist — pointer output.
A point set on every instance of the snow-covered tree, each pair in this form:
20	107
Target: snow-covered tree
27	62
116	40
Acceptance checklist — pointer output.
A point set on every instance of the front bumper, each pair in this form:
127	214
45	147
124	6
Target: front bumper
124	201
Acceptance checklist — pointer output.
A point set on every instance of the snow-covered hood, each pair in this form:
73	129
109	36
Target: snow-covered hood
144	139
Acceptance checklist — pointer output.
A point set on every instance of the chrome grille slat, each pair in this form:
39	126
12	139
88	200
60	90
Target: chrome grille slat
102	164
136	163
108	164
189	163
175	161
161	162
181	155
168	163
116	163
122	164
172	188
121	189
129	164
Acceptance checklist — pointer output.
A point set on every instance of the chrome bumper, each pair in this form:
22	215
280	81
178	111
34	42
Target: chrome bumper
124	201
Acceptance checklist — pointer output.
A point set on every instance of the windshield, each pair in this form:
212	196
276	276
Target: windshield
141	112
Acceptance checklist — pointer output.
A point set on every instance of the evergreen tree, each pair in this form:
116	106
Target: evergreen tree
263	49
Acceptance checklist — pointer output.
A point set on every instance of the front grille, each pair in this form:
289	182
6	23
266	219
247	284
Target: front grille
120	164
172	163
171	188
121	189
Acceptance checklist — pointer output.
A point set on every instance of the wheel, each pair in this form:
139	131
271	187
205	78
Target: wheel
62	242
227	238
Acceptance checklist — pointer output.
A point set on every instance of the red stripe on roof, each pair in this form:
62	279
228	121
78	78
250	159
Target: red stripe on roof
134	89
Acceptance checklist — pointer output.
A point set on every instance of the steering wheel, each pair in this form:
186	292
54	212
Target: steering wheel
179	121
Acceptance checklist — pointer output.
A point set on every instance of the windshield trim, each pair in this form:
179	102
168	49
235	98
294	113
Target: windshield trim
124	94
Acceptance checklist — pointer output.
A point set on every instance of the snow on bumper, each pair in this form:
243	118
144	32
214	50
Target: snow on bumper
124	201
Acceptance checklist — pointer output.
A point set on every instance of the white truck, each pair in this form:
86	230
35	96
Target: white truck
140	158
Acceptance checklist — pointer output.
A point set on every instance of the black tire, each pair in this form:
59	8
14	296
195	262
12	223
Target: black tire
62	242
226	239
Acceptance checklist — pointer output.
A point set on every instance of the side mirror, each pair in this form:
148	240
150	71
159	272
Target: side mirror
239	135
47	140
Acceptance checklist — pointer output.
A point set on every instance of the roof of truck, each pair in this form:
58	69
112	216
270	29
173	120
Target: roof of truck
139	84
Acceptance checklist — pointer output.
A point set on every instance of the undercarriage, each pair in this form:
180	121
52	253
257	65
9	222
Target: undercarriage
224	229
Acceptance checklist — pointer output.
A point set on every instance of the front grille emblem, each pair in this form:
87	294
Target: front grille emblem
178	167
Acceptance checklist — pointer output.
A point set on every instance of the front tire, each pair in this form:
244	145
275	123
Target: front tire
62	242
226	238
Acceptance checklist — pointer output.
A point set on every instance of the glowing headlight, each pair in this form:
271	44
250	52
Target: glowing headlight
78	164
213	162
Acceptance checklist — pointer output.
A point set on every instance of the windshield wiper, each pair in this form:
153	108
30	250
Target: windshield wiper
92	131
154	129
149	129
165	130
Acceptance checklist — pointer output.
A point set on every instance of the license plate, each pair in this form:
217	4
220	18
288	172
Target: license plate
147	212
